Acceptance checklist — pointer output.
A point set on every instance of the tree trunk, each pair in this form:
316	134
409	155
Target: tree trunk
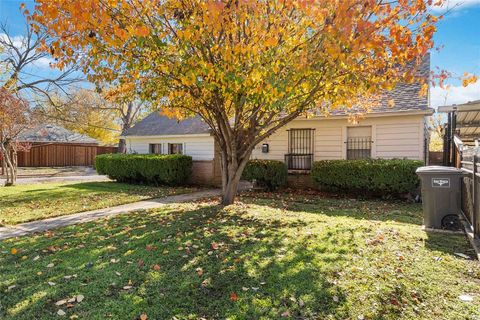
122	146
232	169
3	163
127	120
11	171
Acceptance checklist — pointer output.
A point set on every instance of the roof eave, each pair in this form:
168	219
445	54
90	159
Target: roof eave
165	136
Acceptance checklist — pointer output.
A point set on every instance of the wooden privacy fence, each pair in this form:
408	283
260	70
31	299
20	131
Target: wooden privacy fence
471	187
435	158
61	155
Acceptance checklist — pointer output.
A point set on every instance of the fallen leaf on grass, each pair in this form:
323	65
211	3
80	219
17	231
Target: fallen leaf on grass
156	267
13	251
206	282
61	312
50	283
50	265
466	298
301	303
60	302
286	314
143	316
80	298
233	296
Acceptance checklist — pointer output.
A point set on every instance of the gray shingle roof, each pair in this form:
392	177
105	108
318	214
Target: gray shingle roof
406	96
156	124
54	133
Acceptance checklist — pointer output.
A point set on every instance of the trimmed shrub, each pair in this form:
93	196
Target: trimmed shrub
270	174
379	176
172	169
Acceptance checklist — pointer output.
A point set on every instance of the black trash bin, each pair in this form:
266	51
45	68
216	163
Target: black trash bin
441	196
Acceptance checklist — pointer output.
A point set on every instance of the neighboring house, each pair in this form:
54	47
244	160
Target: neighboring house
388	131
55	146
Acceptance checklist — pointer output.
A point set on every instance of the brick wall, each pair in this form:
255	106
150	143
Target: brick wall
203	173
300	181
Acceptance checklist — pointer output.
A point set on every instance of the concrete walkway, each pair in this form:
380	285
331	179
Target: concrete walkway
82	217
59	179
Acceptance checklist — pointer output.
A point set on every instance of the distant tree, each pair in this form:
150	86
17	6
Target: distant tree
246	67
103	116
128	107
15	117
436	125
83	111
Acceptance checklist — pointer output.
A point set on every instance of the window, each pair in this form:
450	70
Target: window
359	143
300	149
175	148
155	148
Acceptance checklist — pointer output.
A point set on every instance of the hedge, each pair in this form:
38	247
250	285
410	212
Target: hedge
150	168
380	176
270	174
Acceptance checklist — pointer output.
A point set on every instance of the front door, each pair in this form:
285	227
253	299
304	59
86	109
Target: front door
300	149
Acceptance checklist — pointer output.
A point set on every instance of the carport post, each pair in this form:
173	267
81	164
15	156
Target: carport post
474	192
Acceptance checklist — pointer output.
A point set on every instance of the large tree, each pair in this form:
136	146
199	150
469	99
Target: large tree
247	67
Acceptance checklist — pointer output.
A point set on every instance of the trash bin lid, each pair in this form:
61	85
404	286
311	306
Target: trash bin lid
438	169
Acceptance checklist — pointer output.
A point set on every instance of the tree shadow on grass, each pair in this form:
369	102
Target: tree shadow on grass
373	210
211	263
449	243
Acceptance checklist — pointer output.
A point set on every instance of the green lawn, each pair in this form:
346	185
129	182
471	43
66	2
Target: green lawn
266	257
24	203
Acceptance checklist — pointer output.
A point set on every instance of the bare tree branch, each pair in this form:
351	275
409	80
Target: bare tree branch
20	54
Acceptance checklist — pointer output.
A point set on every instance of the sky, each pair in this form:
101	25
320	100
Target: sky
458	36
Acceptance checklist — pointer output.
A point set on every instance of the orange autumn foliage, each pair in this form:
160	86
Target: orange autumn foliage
247	67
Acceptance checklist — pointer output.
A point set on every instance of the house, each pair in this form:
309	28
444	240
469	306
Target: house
396	130
55	146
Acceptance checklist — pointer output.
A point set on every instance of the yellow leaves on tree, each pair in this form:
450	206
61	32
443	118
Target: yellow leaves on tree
469	79
246	67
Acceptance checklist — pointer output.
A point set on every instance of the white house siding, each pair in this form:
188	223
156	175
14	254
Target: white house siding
393	136
199	147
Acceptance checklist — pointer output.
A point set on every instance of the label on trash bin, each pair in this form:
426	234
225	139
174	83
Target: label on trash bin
441	182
